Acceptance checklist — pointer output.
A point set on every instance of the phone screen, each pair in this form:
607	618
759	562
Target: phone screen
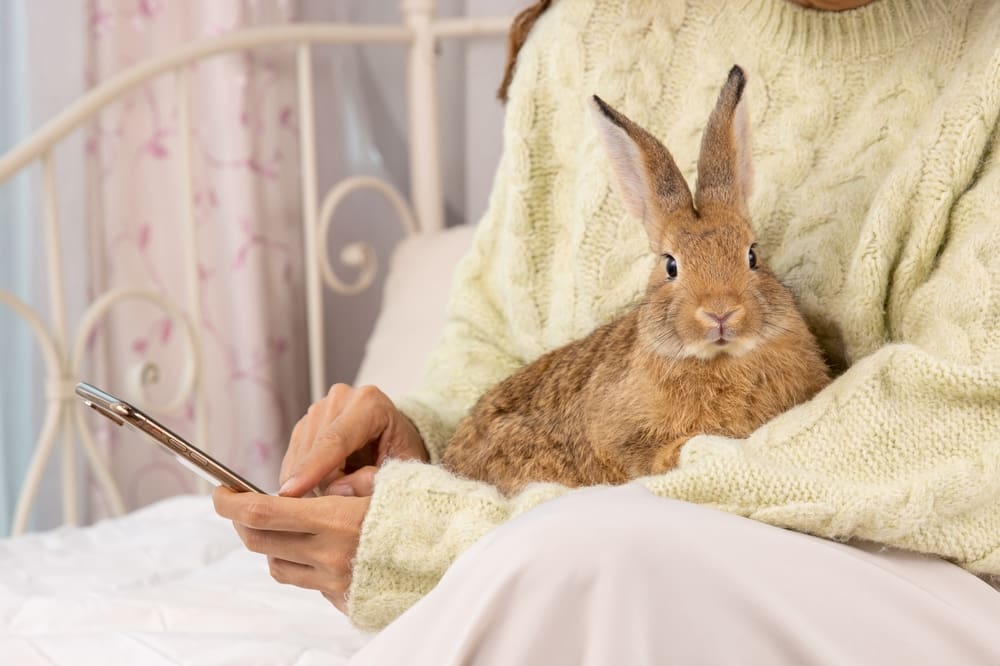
190	456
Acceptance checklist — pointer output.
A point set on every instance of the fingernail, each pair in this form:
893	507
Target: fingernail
344	489
289	482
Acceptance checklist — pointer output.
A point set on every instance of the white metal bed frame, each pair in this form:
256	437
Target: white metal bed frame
63	353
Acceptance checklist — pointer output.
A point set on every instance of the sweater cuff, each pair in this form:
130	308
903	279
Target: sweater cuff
420	519
428	423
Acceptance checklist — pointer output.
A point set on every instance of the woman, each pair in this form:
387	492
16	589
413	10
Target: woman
877	155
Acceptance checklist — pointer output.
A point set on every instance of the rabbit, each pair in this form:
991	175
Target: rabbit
716	346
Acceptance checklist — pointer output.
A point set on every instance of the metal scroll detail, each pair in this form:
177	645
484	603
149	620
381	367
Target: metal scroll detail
358	255
63	414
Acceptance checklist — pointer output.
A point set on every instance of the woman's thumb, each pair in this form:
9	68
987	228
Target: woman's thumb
356	484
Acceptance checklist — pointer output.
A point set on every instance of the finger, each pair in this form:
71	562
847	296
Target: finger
291	456
361	458
357	484
302	575
303	436
293	573
320	413
362	420
394	438
266	512
333	588
291	546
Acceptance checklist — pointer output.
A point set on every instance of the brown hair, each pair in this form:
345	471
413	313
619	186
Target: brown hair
519	30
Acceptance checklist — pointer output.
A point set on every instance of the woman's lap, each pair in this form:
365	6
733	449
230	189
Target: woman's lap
617	575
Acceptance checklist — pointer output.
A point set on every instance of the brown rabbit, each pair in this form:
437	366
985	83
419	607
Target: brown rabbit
716	346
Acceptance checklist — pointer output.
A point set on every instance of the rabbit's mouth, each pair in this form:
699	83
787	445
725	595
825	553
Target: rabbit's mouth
723	340
715	345
721	336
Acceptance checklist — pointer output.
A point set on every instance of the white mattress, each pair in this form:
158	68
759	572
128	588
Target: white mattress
169	584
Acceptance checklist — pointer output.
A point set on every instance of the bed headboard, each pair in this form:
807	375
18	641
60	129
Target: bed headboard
63	344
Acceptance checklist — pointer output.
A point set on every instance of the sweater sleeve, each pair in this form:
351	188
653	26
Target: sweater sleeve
902	449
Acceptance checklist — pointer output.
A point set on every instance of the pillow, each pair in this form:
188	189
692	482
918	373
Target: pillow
414	306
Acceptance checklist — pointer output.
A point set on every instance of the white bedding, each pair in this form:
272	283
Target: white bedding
169	584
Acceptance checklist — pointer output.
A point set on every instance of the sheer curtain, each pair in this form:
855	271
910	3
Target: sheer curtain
37	40
16	408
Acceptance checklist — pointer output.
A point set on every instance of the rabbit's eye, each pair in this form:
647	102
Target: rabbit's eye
670	265
753	257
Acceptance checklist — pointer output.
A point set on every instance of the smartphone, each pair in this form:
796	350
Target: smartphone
202	464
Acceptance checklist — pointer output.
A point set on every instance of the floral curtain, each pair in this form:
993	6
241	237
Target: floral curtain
246	197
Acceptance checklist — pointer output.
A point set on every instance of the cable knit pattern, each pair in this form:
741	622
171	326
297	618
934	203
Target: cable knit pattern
876	201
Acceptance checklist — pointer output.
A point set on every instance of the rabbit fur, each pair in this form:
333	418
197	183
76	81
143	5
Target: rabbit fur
715	346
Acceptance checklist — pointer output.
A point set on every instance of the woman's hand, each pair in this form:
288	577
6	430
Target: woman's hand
309	542
348	429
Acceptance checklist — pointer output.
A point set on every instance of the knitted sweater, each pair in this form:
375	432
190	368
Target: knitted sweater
877	201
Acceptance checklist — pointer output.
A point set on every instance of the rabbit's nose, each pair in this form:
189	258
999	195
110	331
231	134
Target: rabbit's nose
720	319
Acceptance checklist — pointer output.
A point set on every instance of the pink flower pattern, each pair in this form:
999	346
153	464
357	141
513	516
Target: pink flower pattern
247	218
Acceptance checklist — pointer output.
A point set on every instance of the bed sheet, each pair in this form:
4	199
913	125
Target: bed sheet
168	584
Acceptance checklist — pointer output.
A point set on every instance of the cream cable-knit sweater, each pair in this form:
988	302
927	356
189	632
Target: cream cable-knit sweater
877	200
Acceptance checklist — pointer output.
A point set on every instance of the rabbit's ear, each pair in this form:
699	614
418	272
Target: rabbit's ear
649	181
725	172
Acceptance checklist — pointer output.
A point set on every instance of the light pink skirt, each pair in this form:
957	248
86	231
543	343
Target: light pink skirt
619	576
